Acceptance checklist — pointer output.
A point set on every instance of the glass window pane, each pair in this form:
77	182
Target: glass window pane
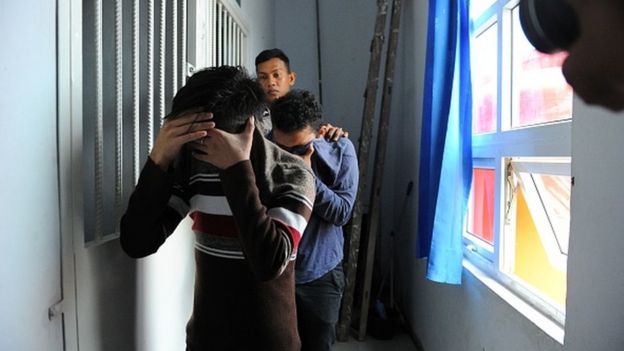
554	192
481	205
532	264
540	93
477	7
536	229
484	62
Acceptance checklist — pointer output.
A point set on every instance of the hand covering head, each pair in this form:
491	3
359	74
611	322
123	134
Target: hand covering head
226	91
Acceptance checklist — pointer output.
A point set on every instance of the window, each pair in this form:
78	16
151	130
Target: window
485	79
539	91
133	63
218	32
537	217
517	223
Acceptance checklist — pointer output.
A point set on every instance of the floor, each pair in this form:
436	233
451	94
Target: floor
399	342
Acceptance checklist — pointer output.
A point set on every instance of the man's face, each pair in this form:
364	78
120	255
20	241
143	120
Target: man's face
294	142
274	78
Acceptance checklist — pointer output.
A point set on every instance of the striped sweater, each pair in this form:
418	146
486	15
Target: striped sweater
248	221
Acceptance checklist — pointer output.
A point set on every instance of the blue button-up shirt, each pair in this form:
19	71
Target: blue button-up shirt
321	248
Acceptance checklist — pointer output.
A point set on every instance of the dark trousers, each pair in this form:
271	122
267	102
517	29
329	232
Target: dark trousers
318	307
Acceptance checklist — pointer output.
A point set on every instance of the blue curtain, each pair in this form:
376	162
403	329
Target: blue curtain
446	141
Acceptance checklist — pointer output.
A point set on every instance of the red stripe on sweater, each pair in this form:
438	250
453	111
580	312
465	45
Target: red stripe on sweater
217	225
294	234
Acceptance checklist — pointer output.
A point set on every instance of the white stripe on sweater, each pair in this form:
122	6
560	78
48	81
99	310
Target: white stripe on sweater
289	217
214	205
236	255
205	177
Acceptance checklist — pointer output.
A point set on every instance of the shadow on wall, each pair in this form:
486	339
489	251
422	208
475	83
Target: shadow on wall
107	298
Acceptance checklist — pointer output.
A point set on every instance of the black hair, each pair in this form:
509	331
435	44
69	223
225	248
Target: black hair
273	53
226	91
295	111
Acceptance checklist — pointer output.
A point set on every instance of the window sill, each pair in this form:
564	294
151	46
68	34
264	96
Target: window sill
550	327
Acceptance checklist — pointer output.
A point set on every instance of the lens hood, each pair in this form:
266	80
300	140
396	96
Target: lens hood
549	25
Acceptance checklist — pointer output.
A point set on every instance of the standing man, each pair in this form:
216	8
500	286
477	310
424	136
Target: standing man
319	276
274	74
249	200
276	79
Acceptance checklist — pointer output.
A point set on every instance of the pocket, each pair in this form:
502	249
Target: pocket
338	278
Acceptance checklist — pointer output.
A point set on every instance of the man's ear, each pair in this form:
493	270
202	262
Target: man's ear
293	78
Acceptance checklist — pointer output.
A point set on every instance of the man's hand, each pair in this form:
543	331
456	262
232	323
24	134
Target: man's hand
307	156
176	132
223	149
331	132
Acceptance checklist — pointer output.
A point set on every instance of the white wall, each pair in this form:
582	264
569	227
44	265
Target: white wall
595	314
296	35
30	266
346	32
259	15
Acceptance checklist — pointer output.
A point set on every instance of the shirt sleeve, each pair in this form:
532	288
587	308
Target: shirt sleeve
269	235
334	202
154	211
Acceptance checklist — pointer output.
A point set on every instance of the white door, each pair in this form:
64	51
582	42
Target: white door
30	266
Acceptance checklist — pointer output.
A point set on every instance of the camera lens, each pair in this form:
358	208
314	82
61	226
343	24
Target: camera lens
549	25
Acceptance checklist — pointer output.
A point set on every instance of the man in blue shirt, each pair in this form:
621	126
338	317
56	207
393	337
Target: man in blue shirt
319	277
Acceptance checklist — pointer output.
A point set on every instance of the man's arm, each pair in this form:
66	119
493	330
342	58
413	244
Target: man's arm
334	203
270	236
149	220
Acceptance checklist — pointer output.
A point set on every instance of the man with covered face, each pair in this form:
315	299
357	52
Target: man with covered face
249	201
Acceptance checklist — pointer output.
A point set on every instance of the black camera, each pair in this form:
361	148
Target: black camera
549	25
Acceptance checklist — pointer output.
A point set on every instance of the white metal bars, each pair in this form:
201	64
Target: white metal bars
218	34
128	82
99	127
231	34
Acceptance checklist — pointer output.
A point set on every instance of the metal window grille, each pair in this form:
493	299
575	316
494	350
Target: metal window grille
218	32
134	55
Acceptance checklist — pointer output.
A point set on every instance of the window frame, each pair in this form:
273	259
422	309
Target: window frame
495	150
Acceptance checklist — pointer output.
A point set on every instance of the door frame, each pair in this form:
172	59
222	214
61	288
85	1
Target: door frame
69	122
